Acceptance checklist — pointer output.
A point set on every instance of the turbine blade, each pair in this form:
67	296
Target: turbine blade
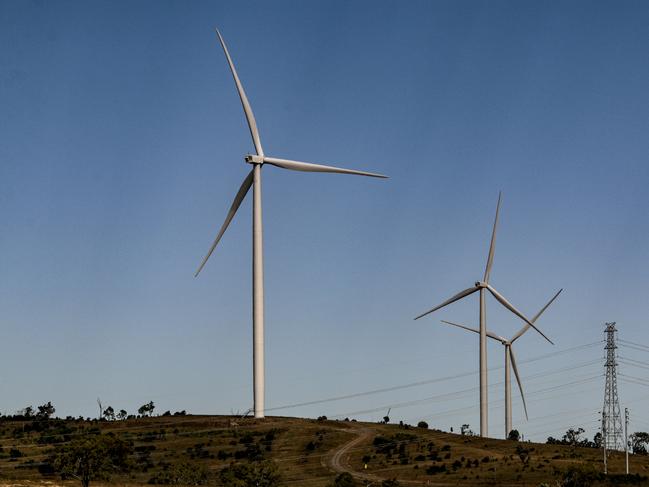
518	379
458	296
492	246
536	317
250	117
511	308
460	326
489	334
309	167
495	337
241	194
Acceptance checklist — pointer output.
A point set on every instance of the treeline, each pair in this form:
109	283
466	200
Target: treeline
638	441
46	411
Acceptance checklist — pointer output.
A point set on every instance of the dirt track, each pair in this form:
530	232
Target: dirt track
338	460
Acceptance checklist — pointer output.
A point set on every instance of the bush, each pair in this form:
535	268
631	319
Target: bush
514	435
422	424
433	469
344	480
264	474
579	477
183	474
15	453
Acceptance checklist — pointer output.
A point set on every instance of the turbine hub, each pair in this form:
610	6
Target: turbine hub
480	284
254	159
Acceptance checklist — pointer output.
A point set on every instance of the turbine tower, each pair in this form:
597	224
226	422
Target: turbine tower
611	418
510	362
254	179
481	286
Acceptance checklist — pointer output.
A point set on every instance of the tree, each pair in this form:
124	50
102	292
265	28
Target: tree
597	440
639	442
146	409
91	458
109	413
28	412
573	436
465	430
514	435
122	414
263	474
422	424
45	411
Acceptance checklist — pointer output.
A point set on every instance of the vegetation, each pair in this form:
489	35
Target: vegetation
514	435
183	450
92	458
146	409
344	480
639	442
264	474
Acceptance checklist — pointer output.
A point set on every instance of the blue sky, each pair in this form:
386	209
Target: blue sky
122	144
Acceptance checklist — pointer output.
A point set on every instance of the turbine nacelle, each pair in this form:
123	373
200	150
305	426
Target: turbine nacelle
481	285
254	159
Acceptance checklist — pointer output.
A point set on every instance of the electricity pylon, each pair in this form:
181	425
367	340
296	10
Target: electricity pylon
611	419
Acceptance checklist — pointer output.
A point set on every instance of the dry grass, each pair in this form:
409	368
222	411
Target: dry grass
302	450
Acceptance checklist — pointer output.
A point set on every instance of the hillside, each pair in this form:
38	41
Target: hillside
196	449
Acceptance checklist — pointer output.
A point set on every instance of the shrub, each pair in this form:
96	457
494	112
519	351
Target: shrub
344	480
15	453
433	469
183	474
422	424
514	435
264	474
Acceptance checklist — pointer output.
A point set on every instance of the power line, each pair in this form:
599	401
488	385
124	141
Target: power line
635	347
452	395
633	344
424	382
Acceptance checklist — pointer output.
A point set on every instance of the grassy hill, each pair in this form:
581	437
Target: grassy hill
195	450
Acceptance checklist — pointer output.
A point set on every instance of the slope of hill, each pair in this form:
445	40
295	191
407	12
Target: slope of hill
196	450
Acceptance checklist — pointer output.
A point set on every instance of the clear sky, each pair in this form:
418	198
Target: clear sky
121	147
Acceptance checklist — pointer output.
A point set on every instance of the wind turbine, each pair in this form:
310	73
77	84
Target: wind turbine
254	179
510	359
480	287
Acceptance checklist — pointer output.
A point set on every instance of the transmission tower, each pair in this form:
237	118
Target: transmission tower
612	431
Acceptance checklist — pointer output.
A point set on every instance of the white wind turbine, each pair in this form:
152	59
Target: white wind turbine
481	286
510	359
254	179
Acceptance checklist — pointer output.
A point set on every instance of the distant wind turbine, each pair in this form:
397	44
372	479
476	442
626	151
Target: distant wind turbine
254	179
481	286
510	358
